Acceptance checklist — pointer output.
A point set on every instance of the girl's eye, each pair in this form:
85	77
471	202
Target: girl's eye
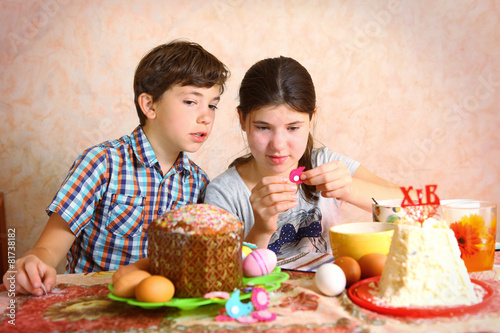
293	128
213	107
189	102
262	128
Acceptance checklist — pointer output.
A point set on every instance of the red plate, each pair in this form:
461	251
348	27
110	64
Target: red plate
360	294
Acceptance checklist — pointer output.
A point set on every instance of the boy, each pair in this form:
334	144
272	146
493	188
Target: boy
115	189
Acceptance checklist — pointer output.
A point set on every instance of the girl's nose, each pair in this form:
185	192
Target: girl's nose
278	140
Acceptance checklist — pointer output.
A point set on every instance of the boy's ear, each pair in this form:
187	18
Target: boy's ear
242	122
146	104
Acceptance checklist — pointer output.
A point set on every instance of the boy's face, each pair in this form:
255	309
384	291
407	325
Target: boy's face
185	116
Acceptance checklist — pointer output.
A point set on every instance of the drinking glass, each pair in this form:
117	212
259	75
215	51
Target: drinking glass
474	224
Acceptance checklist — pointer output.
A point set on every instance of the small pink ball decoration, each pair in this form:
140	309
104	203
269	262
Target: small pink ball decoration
259	262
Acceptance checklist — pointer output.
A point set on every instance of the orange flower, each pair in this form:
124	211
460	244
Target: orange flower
490	237
468	233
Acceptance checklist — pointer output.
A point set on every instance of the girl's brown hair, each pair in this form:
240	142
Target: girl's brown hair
280	81
178	62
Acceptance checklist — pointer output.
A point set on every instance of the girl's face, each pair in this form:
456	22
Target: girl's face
277	138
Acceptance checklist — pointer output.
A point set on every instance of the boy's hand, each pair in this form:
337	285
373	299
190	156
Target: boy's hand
271	196
332	179
31	273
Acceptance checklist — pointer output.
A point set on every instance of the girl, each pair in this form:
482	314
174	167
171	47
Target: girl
276	111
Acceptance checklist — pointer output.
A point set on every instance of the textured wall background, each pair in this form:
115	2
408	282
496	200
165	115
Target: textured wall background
409	88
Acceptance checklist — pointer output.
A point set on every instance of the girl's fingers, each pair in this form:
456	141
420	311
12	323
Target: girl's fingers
338	193
271	180
326	173
332	179
335	185
265	189
275	198
267	212
273	195
321	170
272	188
272	199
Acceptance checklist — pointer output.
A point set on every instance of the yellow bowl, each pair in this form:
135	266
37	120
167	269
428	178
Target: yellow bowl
360	238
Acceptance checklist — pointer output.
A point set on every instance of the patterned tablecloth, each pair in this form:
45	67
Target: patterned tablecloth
80	303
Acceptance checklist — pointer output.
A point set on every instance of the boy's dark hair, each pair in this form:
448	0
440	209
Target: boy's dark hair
178	62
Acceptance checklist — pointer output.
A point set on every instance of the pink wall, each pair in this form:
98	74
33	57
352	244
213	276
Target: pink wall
409	88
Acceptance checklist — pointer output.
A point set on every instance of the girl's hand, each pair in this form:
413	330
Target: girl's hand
271	196
31	273
332	179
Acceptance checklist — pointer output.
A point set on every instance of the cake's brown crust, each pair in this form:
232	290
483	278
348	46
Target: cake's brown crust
199	253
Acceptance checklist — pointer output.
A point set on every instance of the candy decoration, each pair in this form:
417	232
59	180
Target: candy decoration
260	298
250	245
264	315
247	320
245	251
247	248
295	175
223	317
217	294
244	312
235	308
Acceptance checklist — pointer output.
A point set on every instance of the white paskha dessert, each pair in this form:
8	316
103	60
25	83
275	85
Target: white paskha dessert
424	268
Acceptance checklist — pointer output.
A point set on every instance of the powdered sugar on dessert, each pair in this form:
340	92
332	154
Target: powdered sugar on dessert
424	268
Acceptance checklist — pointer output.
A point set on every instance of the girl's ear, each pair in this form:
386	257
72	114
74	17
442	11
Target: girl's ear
147	105
242	122
313	118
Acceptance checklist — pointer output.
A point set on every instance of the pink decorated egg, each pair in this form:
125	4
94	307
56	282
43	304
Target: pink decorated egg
259	262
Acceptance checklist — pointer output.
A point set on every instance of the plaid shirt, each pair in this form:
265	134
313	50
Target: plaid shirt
111	194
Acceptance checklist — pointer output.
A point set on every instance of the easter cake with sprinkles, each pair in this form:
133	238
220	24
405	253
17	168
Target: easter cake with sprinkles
198	247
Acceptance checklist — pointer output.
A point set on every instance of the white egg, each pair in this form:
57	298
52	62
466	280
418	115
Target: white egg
330	279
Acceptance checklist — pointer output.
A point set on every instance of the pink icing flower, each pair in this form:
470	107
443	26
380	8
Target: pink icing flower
260	298
264	315
222	317
217	294
247	320
295	175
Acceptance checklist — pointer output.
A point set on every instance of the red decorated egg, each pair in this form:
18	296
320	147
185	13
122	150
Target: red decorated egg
259	262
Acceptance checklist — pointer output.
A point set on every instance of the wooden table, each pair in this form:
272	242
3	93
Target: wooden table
80	303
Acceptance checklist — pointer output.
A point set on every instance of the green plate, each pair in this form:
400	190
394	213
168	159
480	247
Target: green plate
269	282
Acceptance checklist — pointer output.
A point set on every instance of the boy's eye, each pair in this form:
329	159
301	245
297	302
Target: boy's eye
189	102
213	107
262	128
293	128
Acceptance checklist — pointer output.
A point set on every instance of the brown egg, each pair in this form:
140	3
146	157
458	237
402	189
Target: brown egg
122	271
350	267
141	264
155	289
372	264
125	286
